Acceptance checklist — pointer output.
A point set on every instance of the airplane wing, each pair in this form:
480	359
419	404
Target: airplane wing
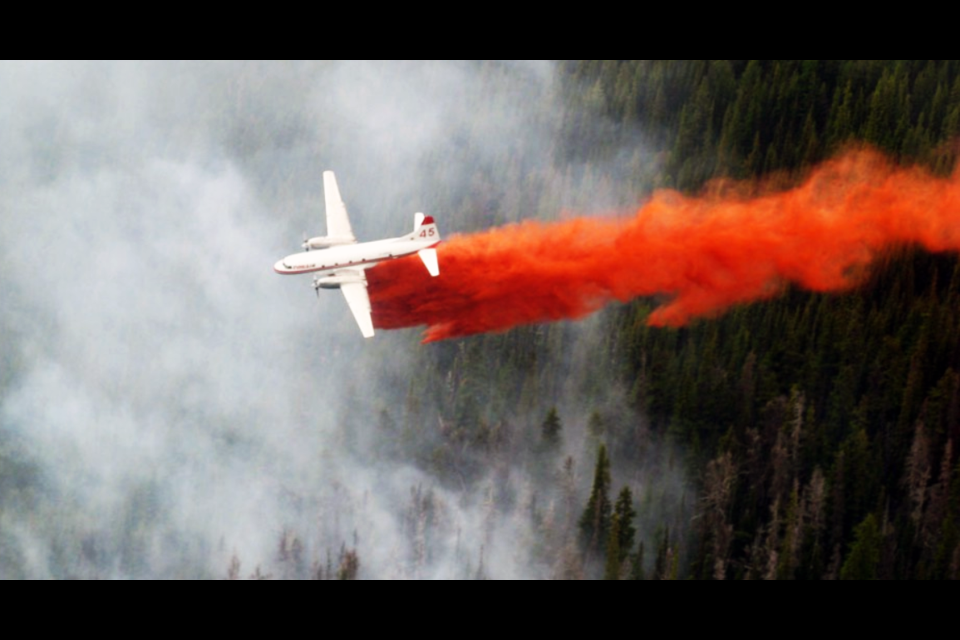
338	223
359	301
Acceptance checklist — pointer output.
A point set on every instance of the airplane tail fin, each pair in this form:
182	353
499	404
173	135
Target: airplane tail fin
424	228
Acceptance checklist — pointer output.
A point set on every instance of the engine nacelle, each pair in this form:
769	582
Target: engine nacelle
334	281
323	242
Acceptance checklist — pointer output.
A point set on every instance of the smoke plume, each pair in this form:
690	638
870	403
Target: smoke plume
735	243
168	405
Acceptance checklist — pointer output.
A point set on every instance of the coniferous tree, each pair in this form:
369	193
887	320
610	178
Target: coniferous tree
663	564
864	558
596	429
612	569
624	512
595	520
551	430
637	570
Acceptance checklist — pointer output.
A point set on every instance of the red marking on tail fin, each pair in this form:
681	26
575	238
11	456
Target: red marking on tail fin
428	220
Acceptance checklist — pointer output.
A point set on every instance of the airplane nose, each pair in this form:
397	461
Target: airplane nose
281	268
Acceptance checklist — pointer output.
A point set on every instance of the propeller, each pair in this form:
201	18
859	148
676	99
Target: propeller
306	241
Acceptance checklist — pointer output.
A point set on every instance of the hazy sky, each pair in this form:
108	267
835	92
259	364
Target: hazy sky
159	372
169	399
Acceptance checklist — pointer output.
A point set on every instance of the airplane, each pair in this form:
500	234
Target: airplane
341	261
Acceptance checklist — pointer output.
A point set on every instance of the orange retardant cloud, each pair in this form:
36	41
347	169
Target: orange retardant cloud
735	243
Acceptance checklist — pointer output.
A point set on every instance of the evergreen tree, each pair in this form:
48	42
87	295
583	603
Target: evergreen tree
596	429
595	521
636	569
551	430
612	568
664	562
624	512
864	558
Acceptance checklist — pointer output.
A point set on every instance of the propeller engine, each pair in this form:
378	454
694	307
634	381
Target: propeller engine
323	242
334	281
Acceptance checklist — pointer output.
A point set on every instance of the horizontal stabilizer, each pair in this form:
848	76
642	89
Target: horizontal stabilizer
429	257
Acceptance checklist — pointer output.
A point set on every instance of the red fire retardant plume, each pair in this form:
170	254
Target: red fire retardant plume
736	243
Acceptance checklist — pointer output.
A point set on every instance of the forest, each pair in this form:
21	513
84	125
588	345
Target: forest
820	428
807	436
824	425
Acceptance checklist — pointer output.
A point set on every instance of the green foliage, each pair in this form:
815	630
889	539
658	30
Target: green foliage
864	558
742	118
612	567
552	430
832	422
620	539
806	382
594	523
624	513
811	402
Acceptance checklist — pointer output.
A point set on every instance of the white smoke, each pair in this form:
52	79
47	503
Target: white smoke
170	402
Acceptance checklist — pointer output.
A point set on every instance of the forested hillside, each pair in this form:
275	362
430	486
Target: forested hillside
830	423
821	430
168	409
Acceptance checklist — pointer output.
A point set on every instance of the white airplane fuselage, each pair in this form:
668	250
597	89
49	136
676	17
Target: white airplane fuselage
355	256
